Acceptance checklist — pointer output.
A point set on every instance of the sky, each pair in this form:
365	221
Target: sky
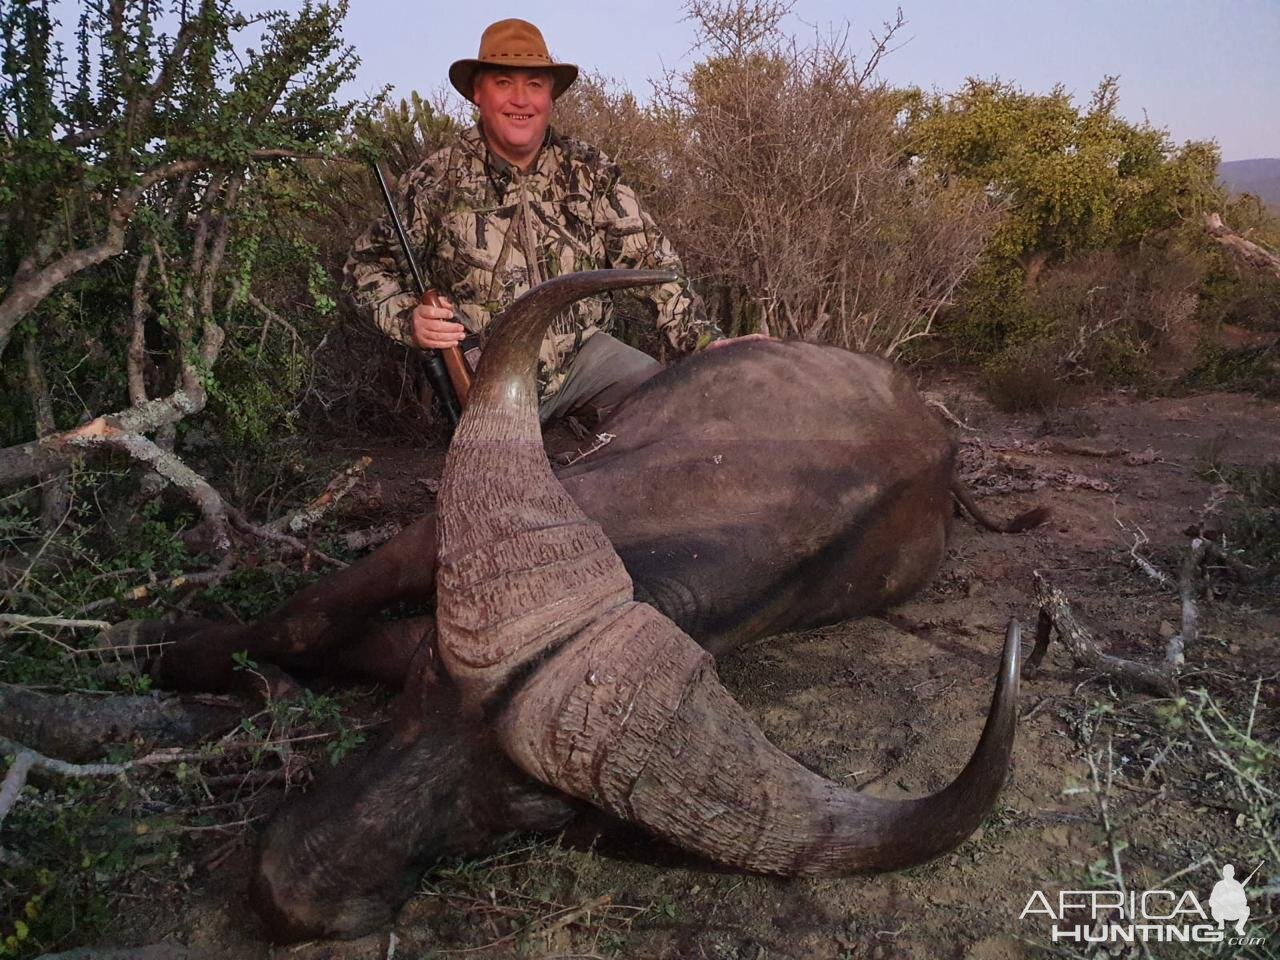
1203	69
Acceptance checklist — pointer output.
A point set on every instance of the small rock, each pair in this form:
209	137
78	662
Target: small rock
1167	629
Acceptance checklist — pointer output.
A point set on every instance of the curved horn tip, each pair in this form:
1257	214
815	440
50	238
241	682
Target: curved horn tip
1012	658
611	278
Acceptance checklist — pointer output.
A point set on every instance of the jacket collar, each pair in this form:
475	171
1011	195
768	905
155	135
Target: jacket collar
499	169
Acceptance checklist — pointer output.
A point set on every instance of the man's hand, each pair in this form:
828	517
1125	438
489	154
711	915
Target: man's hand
750	336
434	327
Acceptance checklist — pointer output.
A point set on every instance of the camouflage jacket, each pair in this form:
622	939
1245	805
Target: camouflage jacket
484	232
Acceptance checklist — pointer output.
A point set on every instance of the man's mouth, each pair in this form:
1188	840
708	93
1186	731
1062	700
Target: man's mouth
519	116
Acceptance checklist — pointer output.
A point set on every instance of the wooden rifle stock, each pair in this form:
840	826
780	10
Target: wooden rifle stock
455	363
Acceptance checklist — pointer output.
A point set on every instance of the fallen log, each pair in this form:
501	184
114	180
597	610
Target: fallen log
76	727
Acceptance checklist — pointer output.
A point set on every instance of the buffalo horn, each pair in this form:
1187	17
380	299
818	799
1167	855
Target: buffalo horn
607	700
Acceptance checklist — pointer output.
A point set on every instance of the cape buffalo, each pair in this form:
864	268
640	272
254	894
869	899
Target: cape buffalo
754	489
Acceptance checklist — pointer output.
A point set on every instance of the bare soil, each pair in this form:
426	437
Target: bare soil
894	704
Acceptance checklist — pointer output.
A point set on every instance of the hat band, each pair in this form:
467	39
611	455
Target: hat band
494	57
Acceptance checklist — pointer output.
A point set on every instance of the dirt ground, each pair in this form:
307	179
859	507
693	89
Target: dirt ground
894	705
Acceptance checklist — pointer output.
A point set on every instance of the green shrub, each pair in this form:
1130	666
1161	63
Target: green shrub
1251	369
1107	317
994	314
1023	379
1253	522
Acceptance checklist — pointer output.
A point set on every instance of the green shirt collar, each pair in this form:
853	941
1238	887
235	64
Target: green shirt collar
499	168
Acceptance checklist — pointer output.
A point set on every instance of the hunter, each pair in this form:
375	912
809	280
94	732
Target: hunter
511	203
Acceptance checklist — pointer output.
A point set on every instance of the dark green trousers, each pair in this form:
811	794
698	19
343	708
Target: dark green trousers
603	374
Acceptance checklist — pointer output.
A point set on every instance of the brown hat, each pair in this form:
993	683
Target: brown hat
511	43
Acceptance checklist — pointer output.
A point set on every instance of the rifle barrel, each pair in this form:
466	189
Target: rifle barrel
450	394
400	234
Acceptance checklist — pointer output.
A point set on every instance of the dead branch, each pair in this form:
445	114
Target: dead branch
26	461
1082	449
246	526
1190	632
1251	253
26	760
109	433
1147	567
1161	678
144	591
1085	649
946	414
78	727
18	621
1140	539
167	465
334	490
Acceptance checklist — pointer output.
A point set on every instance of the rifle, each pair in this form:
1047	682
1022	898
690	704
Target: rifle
447	371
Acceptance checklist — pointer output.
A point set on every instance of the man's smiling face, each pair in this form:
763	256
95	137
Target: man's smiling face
515	110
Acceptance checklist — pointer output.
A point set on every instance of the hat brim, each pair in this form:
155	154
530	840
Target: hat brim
462	73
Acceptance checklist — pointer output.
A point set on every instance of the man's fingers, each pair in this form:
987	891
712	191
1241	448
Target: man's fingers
432	330
443	328
442	312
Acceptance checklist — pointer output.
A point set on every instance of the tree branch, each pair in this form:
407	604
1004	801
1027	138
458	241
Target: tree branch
29	460
23	297
1085	650
135	357
26	760
1248	251
167	465
1160	678
334	490
55	497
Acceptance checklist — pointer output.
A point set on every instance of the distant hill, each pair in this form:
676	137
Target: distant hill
1259	177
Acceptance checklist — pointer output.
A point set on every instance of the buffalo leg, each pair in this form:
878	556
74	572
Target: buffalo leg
318	620
384	653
